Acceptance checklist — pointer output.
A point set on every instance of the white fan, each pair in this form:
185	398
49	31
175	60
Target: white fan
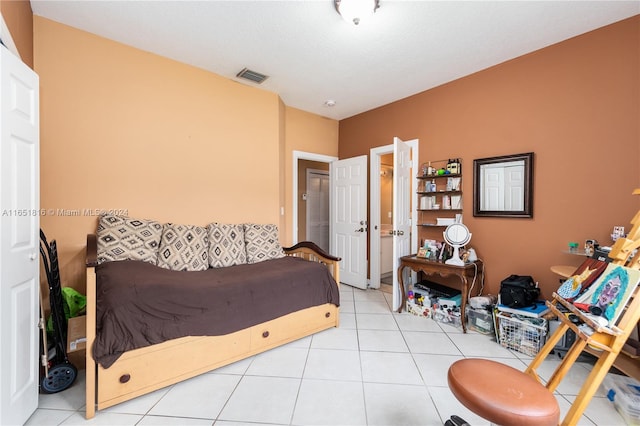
456	235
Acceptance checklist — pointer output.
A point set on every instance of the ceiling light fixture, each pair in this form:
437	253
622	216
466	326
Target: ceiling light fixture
353	11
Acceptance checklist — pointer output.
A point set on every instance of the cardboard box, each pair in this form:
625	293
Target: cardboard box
77	341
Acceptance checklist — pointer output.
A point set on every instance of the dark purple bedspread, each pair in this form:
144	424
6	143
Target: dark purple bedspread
139	304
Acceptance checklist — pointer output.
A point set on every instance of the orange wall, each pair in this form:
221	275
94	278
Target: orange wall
310	133
19	19
125	129
575	104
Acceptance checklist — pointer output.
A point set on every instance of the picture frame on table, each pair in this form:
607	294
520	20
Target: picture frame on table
423	252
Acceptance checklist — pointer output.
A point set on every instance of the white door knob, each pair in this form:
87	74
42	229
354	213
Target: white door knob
33	256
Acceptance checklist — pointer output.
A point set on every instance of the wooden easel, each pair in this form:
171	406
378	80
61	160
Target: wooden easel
605	343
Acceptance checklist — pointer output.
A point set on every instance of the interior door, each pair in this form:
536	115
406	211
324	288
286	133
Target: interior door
401	212
348	218
318	208
19	239
493	187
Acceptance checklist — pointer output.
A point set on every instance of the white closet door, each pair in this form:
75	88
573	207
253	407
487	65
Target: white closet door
19	239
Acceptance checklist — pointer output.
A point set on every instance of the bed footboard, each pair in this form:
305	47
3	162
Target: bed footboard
144	370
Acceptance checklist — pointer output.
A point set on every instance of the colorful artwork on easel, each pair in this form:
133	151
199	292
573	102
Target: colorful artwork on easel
609	294
581	279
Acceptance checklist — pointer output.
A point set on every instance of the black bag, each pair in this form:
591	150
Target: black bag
518	291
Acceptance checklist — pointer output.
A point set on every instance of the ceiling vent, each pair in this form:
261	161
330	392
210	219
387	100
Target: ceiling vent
254	76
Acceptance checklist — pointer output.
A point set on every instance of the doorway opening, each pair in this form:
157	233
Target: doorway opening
381	213
303	162
317	196
386	222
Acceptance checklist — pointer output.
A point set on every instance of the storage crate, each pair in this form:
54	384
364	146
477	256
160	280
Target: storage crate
419	310
480	320
445	317
525	335
625	394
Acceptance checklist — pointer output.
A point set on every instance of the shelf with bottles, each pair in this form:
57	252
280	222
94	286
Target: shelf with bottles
439	176
440	169
437	185
440	202
441	192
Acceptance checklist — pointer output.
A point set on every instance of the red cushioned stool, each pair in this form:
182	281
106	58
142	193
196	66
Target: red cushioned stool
502	394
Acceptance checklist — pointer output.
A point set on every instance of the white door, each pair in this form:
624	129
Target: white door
514	187
348	219
493	187
401	212
19	236
318	208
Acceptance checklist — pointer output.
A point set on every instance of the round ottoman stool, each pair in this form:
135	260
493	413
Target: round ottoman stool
502	394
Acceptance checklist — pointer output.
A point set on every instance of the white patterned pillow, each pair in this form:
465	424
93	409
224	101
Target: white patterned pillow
123	238
226	245
183	248
262	242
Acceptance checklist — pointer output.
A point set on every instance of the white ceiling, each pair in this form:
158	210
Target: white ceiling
311	55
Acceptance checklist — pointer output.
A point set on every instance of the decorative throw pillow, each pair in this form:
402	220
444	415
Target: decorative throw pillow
183	248
226	245
123	238
262	242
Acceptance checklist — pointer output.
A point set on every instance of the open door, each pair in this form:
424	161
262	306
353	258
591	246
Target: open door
401	211
20	242
348	219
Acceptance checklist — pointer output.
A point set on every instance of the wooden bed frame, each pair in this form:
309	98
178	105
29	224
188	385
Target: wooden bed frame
145	370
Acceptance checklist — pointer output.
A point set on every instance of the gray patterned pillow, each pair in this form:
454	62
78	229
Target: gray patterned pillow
262	242
123	238
226	245
183	248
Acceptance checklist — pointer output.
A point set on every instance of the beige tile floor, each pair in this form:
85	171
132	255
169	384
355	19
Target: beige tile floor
377	368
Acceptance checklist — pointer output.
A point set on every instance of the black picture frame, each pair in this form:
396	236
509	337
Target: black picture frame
479	169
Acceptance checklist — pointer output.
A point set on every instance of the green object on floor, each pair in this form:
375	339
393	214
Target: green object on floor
74	305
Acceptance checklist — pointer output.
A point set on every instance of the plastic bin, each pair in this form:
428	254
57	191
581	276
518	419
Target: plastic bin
525	335
625	393
444	317
418	310
480	320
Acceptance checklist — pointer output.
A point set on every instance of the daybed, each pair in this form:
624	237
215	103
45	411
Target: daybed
158	314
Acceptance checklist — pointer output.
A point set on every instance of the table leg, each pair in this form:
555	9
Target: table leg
463	307
401	284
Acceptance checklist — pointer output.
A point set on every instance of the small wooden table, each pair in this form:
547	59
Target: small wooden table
429	267
565	271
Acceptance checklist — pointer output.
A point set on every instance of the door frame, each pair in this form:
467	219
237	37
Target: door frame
374	206
302	155
6	39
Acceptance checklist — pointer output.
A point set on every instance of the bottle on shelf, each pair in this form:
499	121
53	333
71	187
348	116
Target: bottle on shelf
454	166
429	169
